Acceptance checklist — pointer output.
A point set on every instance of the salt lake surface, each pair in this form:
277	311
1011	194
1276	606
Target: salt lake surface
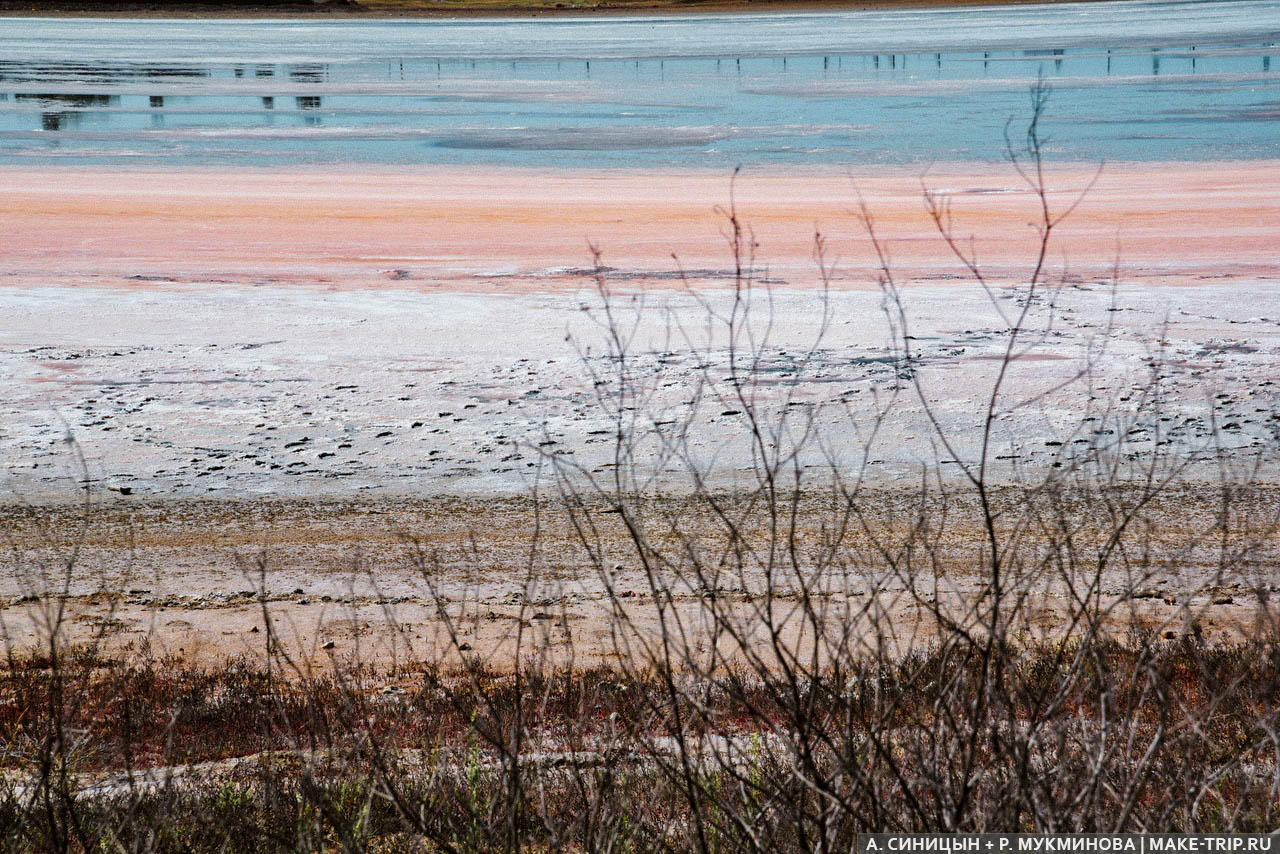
1131	80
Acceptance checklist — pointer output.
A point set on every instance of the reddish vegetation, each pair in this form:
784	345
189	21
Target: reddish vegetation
166	711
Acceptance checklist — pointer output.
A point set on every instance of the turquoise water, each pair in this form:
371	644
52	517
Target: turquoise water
1130	80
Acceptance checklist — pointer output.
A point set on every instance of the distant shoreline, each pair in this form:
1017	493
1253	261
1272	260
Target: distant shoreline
428	9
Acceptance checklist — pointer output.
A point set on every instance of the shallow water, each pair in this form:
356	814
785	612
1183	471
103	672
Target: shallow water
1131	81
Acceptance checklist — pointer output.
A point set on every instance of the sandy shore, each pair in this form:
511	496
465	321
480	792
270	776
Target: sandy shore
521	231
383	580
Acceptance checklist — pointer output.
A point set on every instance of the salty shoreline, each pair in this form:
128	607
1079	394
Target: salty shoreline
332	347
206	332
529	230
270	391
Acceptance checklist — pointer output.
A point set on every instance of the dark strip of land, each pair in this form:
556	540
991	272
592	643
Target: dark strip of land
450	8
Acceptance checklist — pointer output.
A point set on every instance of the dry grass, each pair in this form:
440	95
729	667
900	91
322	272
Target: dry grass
324	761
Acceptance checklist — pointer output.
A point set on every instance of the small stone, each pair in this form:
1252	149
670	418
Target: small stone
1223	600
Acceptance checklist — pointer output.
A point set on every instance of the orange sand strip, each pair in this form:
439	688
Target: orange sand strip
517	229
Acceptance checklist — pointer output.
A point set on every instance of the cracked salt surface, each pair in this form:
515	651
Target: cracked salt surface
292	392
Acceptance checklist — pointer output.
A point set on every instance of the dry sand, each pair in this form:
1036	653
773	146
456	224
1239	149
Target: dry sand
386	581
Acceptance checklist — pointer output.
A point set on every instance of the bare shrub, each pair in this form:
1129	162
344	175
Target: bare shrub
969	655
798	652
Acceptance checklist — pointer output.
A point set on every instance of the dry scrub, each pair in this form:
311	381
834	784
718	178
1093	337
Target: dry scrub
792	662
